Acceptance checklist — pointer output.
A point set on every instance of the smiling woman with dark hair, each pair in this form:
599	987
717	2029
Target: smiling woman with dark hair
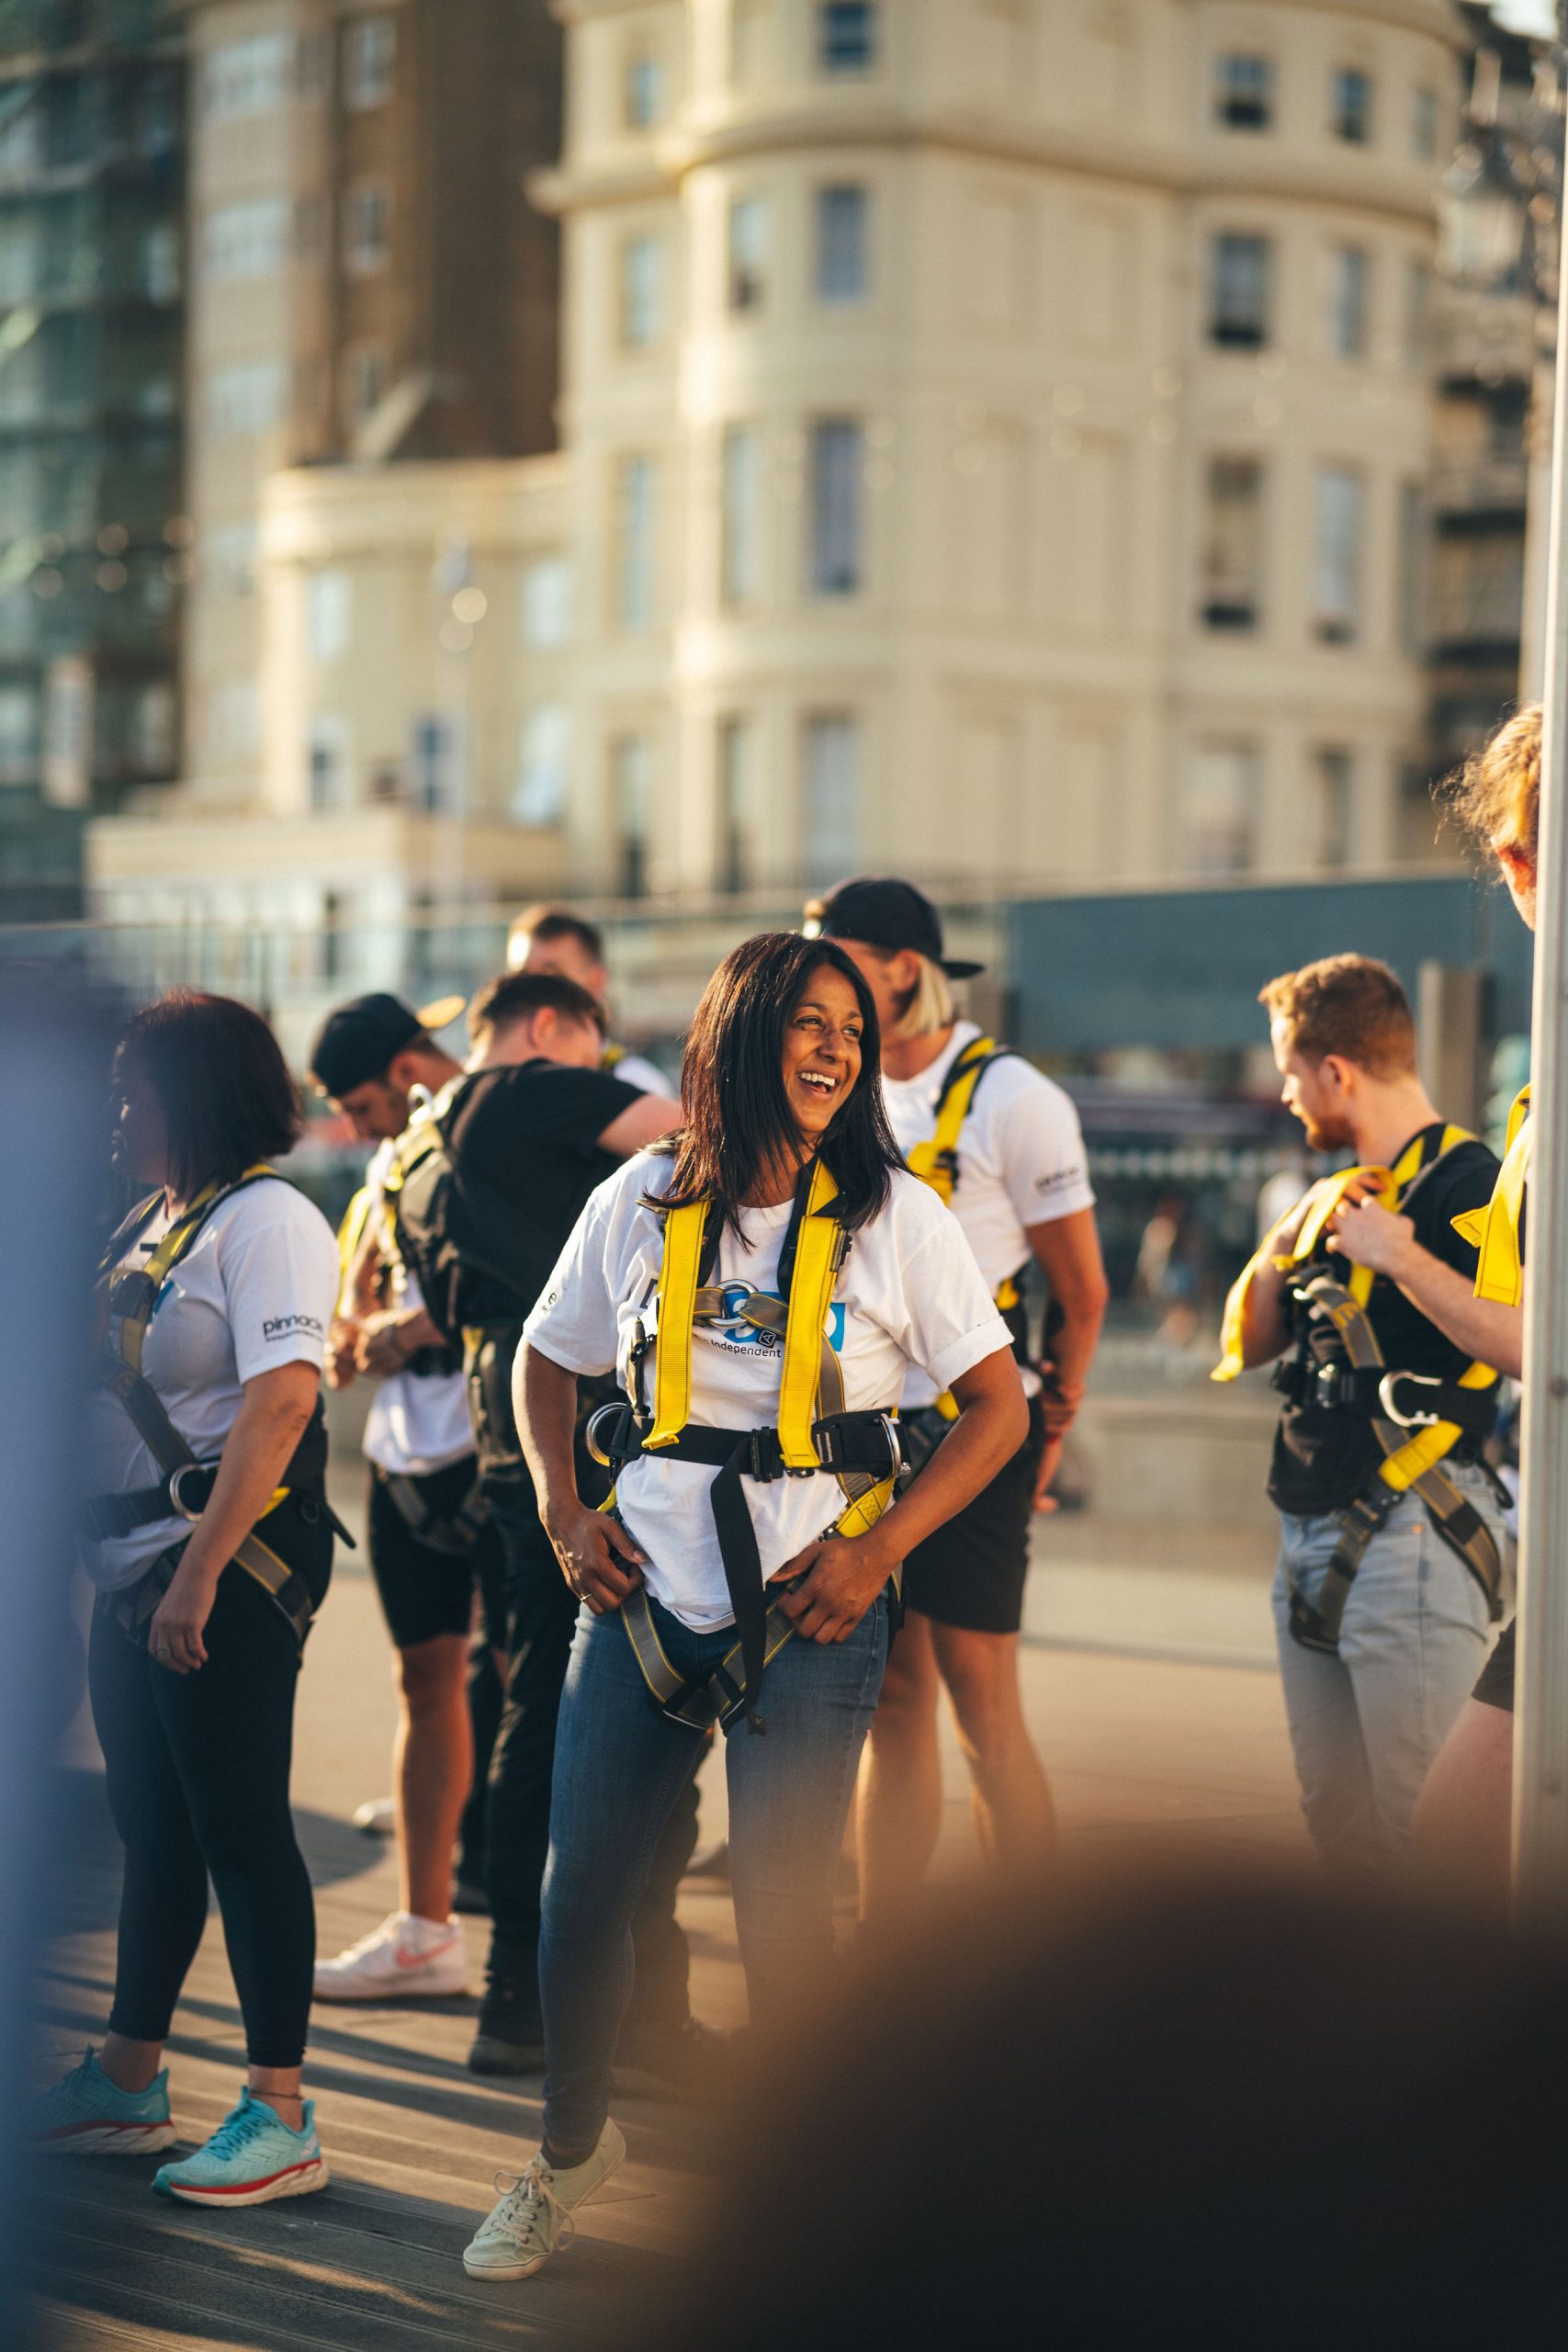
208	1541
761	1284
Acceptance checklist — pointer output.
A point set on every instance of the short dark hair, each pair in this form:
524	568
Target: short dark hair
546	922
512	997
216	1069
1349	1005
737	1114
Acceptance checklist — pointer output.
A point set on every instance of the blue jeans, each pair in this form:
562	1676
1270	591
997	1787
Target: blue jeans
621	1764
1365	1726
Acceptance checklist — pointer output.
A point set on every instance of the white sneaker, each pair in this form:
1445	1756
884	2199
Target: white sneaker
403	1958
535	2213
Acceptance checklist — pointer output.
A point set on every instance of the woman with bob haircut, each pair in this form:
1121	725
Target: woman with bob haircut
761	1281
208	1538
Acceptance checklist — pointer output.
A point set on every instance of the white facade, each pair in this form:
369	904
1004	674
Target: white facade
993	434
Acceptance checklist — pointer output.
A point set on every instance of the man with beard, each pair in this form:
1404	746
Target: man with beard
1391	1529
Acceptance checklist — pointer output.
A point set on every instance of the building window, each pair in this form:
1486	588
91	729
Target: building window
433	758
1337	542
1218	802
842	262
1417	313
636	495
1231	589
328	604
245	241
1423	124
546	601
328	763
741	515
643	96
1244	98
830	799
160	263
366	228
735	806
250	76
247	398
1239	291
846	36
1335	776
631	788
642	291
835	505
1410	586
1350	106
368	376
369	58
18	734
746	254
544	778
1349	273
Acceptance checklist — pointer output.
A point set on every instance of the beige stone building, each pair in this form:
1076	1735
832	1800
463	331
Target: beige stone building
992	441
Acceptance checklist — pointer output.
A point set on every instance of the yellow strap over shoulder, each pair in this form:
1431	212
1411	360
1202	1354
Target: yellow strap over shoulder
935	1162
1495	1229
818	1256
678	1279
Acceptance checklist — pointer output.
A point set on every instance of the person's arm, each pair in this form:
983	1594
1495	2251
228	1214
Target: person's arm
1265	1325
642	1123
842	1575
598	1559
273	1413
384	1341
1371	1236
1067	1252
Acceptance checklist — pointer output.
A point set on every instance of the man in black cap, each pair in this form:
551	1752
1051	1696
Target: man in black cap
429	1543
1002	1145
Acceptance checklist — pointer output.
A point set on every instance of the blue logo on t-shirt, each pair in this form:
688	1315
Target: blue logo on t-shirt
740	1333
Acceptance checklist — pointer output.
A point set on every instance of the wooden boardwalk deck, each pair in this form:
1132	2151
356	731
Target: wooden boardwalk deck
1185	1754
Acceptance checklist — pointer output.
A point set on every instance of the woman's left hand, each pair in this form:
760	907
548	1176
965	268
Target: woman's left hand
173	1638
843	1580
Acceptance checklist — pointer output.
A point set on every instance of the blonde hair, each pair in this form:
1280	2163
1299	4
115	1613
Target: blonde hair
1496	795
931	1005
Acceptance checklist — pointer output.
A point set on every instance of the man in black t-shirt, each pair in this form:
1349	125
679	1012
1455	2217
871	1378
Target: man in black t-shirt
1369	1697
485	1198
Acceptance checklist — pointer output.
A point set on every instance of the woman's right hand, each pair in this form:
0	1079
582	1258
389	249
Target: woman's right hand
598	1559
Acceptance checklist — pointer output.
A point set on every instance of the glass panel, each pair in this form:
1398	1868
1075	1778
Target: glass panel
748	259
1338	539
846	36
841	220
1239	291
1232	562
831	798
1246	99
739	567
836	471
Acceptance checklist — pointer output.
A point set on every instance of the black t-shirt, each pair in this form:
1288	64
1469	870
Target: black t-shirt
523	1144
1323	1459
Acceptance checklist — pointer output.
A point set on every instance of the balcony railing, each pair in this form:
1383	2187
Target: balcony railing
1481	485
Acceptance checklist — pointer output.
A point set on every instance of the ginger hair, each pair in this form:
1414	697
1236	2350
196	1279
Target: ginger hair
1349	1005
1496	795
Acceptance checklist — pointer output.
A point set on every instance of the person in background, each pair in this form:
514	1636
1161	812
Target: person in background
1463	1818
433	1550
1391	1527
208	1541
552	939
1014	1174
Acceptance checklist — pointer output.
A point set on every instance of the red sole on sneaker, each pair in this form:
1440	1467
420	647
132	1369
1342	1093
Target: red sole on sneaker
298	2180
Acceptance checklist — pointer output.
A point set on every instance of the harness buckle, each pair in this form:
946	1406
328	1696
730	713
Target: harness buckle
1415	1421
176	1480
895	1444
597	1446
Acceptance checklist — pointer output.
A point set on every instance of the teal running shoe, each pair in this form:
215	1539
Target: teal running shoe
251	2158
86	2115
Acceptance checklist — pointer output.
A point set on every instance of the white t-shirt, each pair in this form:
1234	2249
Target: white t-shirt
909	1294
1020	1162
418	1422
255	1289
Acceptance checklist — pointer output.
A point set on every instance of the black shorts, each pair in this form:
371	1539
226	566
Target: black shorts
971	1573
1495	1686
424	1592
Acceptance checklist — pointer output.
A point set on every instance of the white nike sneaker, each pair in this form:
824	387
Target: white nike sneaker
535	2213
403	1958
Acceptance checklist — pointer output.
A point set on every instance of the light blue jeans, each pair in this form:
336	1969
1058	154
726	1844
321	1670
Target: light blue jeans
1366	1726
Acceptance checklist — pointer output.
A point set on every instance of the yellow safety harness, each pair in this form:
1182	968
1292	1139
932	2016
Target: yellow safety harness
814	1432
935	1163
1497	1230
129	1301
1415	1436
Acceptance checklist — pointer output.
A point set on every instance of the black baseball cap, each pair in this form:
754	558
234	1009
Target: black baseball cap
884	914
360	1040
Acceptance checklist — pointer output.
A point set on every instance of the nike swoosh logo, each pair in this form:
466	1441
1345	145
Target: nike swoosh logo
421	1959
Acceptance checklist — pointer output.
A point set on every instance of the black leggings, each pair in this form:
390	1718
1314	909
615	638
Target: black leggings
197	1773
